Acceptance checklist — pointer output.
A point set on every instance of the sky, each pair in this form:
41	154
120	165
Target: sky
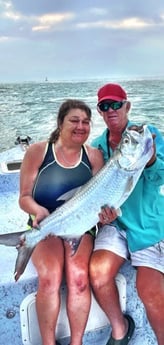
80	39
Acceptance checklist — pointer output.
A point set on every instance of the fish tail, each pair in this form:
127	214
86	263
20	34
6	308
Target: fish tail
11	239
24	254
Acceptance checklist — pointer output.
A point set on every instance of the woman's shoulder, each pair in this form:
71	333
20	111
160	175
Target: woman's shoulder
36	151
37	145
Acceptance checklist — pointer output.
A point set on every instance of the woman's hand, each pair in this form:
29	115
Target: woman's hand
107	214
41	213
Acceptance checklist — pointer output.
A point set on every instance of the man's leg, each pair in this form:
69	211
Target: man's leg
150	286
104	267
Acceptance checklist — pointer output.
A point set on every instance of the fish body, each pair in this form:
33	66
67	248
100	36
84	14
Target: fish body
110	186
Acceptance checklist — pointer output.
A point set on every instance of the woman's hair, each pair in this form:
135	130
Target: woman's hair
63	111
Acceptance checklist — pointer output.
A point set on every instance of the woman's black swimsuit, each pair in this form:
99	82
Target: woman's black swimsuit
55	180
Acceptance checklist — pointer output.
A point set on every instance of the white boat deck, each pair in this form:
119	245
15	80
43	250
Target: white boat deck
18	320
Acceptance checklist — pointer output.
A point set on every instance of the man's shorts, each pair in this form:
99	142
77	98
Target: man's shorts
111	239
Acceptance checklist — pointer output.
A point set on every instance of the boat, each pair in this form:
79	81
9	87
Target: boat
18	318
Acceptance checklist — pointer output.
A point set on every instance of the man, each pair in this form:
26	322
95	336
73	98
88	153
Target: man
138	234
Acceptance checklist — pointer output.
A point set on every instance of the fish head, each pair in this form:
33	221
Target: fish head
135	148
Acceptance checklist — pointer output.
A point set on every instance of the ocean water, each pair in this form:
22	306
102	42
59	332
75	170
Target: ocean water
31	108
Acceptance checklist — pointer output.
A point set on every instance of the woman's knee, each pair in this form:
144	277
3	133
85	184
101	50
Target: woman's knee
49	281
78	278
49	276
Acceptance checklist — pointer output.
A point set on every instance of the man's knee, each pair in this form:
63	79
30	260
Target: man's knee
101	273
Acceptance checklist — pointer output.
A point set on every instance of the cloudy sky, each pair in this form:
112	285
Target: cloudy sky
79	39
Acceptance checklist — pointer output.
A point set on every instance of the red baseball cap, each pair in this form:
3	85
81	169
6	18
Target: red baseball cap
111	91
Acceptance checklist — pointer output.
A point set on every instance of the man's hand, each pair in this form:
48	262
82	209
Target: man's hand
107	214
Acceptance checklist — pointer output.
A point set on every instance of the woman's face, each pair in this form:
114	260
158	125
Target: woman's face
75	127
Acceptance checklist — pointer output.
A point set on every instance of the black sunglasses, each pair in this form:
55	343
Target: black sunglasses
106	105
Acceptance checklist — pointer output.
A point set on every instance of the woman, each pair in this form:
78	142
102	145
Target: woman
48	171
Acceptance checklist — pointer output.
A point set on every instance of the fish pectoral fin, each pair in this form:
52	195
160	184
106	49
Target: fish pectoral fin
129	185
11	239
67	196
24	254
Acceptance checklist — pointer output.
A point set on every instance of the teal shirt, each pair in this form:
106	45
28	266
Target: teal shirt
143	212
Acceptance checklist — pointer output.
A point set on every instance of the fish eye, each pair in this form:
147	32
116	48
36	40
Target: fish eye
126	140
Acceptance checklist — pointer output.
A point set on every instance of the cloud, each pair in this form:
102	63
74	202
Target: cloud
68	39
127	23
51	21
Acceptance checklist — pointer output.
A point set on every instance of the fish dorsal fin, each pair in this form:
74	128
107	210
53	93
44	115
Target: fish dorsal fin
129	187
69	195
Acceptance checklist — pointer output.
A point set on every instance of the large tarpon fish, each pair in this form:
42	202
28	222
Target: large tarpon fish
110	186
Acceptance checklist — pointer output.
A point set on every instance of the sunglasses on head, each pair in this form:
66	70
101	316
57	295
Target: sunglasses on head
114	105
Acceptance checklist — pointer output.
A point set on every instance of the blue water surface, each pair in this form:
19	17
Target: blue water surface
31	108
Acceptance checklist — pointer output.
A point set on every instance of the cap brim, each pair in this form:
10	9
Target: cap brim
112	98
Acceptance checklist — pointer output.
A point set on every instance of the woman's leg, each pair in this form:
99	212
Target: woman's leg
48	258
79	293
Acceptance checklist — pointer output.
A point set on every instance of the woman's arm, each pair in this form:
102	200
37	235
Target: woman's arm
29	170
